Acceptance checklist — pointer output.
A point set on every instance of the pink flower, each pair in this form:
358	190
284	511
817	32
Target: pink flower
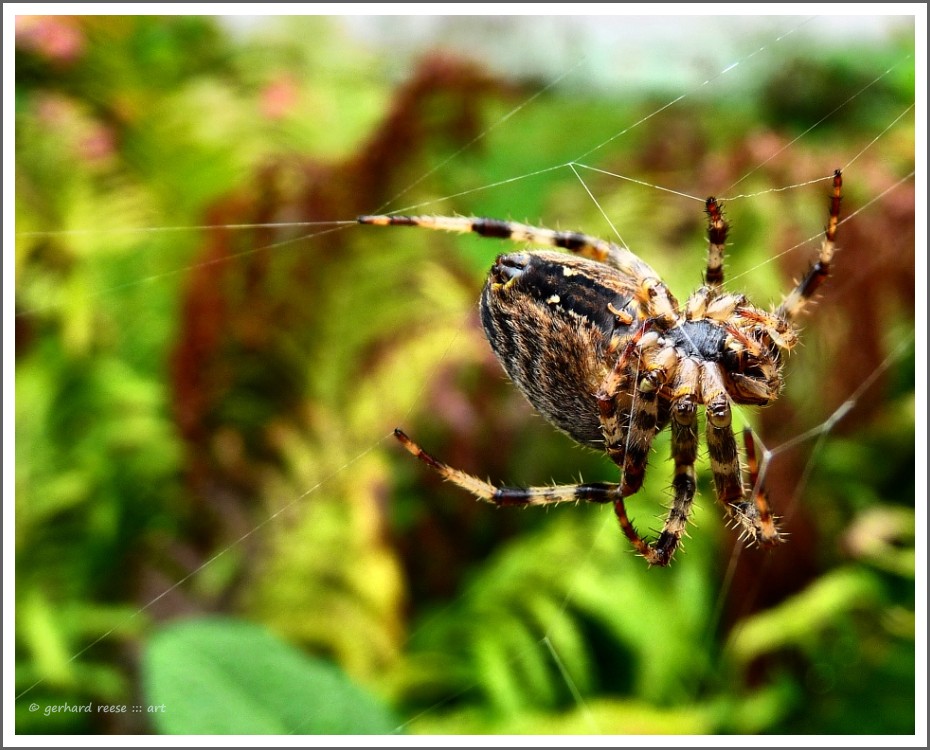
56	38
279	97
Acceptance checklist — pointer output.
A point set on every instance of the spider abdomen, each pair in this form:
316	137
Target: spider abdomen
550	319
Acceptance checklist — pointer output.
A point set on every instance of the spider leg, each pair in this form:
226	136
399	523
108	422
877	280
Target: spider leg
684	454
753	515
642	431
756	515
795	302
717	229
660	301
595	492
721	444
628	436
627	441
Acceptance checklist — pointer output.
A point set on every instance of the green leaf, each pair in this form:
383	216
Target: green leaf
223	676
805	617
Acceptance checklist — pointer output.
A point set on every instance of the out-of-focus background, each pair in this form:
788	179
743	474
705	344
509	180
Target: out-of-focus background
215	532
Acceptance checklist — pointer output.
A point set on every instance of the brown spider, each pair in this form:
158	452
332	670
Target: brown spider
602	349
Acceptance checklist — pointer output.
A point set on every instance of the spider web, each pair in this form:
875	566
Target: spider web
595	180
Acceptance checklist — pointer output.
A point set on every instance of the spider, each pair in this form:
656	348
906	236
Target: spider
603	350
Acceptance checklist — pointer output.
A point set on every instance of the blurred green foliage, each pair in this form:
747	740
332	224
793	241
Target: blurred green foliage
203	416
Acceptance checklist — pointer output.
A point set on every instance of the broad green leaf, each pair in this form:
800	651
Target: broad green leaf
223	676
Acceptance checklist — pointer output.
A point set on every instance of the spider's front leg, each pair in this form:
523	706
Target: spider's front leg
684	454
758	513
595	492
717	229
753	515
799	297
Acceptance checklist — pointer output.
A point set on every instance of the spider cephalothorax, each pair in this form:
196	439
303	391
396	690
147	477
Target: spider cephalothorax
604	351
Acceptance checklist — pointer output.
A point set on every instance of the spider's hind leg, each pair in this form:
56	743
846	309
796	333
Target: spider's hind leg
594	492
656	295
